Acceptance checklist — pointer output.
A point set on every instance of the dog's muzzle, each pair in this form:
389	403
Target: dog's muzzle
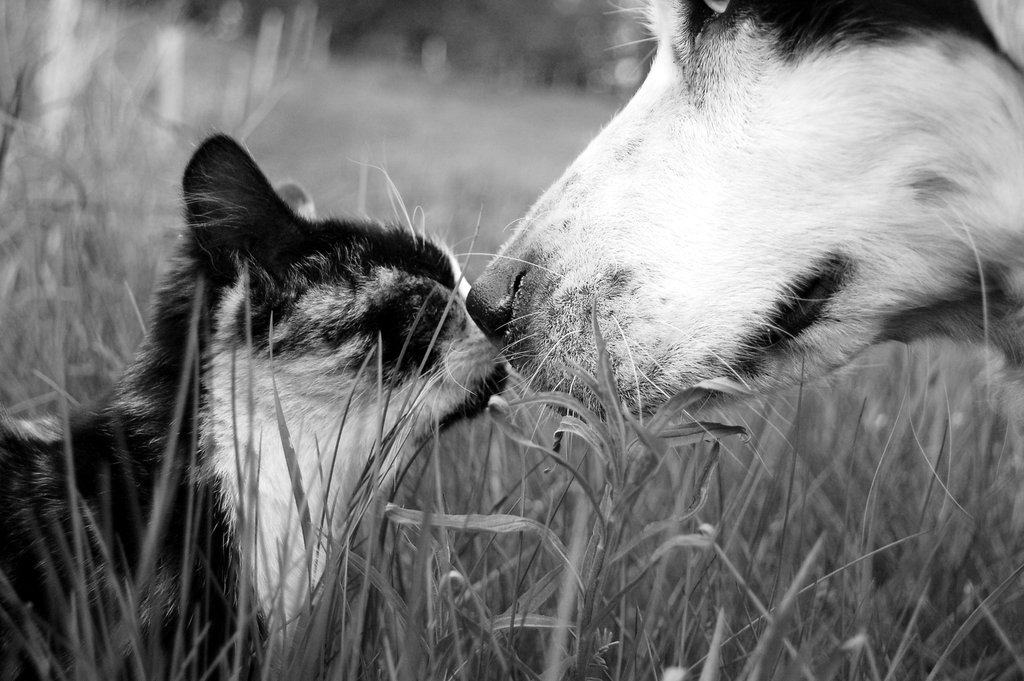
493	299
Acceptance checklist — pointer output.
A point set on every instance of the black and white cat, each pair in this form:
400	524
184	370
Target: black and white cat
289	364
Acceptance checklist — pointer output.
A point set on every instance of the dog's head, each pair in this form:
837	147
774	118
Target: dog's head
794	181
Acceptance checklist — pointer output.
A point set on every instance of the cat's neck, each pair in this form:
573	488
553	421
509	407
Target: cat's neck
287	454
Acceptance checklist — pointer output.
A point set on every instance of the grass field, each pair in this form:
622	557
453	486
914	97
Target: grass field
869	528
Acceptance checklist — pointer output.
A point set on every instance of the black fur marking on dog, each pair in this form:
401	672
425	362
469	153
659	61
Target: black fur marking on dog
806	25
805	305
972	311
932	187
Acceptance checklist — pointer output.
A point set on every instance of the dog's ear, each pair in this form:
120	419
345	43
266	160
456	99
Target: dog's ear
297	199
232	210
1005	18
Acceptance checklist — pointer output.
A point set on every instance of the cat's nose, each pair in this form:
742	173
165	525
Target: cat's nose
491	301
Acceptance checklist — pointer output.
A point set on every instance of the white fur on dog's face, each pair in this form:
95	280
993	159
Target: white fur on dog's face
736	174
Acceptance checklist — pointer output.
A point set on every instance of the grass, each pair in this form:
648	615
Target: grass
869	528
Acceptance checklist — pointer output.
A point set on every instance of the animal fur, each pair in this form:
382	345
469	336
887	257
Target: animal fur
339	344
796	180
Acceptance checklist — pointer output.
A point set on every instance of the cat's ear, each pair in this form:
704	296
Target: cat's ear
298	199
232	210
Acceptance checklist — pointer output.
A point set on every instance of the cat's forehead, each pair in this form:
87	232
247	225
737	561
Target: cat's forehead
354	247
342	288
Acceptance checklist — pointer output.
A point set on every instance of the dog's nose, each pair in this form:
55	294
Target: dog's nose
490	302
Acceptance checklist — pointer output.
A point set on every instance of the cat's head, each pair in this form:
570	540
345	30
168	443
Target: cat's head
342	320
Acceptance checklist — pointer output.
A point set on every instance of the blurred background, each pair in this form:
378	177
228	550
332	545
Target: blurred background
453	114
584	44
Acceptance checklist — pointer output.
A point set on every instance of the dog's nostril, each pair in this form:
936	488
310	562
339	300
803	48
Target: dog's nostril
517	284
490	302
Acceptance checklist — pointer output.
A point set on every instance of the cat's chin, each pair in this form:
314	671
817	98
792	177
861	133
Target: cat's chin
478	398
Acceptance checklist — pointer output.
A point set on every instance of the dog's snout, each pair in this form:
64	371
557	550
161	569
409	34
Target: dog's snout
492	299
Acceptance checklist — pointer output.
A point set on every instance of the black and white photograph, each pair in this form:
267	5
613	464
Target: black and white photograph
494	340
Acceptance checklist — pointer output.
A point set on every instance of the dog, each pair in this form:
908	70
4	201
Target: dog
290	364
794	181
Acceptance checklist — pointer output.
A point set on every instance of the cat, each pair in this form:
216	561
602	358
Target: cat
289	364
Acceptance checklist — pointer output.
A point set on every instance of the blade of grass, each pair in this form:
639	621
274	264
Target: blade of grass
713	661
294	472
496	524
769	648
1004	638
972	620
555	657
